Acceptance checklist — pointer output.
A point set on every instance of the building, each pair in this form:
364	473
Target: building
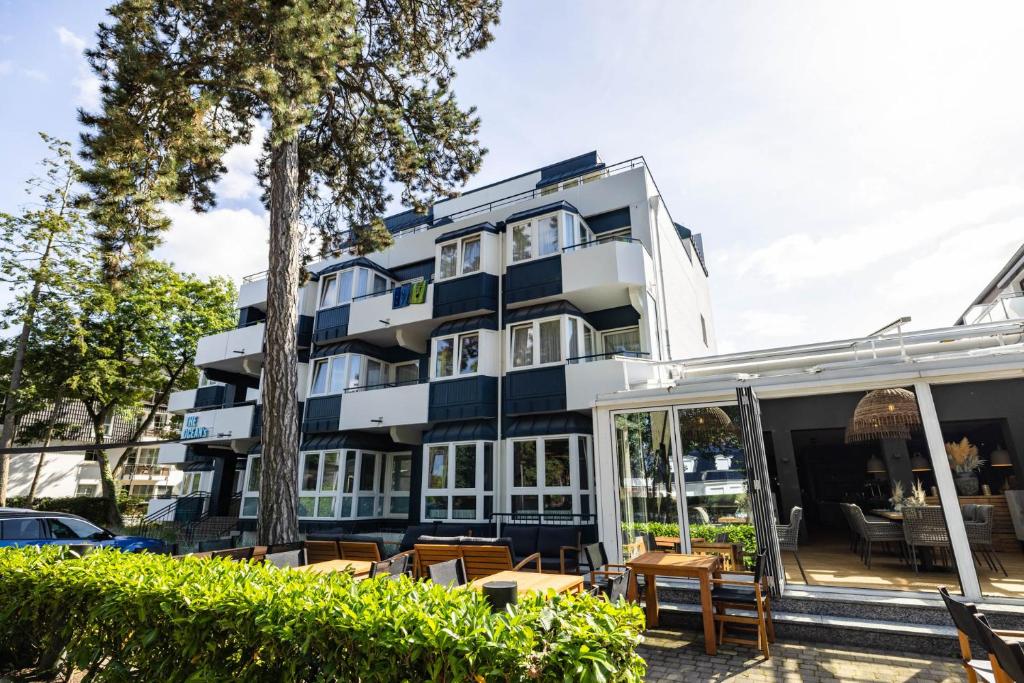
76	473
522	300
1002	298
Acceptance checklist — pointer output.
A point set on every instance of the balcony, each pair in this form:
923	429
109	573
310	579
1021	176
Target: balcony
386	406
139	471
218	426
180	402
592	275
238	351
374	318
253	291
590	377
172	453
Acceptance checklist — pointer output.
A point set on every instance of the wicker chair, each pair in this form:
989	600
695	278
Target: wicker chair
874	532
851	522
925	527
789	537
979	535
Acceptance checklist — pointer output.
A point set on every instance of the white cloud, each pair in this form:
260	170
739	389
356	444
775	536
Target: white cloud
86	82
240	180
229	242
70	39
6	67
35	75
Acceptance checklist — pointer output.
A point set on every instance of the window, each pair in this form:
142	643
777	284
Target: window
467	346
318	484
458	481
551	475
250	496
336	374
400	476
73	529
143	489
86	490
362	484
522	242
547	235
550	347
522	345
622	341
21	530
319	383
407	373
459	258
328	291
191	481
337	289
550	341
345	287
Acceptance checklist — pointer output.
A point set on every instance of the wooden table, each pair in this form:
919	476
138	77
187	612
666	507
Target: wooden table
670	542
701	567
890	515
355	567
532	581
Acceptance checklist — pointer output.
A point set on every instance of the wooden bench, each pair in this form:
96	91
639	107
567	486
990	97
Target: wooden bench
479	560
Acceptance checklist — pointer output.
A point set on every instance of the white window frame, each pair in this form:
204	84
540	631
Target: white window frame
460	257
318	492
449	491
566	352
541	489
355	273
456	340
251	489
390	493
346	373
394	372
566	240
618	330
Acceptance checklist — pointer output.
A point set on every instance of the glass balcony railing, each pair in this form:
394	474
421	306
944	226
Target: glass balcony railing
1007	307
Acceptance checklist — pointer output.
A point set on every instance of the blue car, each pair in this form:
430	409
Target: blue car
19	527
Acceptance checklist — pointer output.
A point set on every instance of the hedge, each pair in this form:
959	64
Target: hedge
92	508
738	533
140	617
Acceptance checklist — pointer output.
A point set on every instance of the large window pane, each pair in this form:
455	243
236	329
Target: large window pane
350	471
559	502
524	463
325	507
714	465
380	284
624	341
463	507
647	478
355	372
488	467
549	236
310	471
328	292
449	259
522	345
551	341
374	372
407	373
253	476
436	507
468	353
319	384
583	460
307	505
574	335
465	466
522	241
444	360
361	279
401	472
345	287
438	470
367	469
471	255
338	374
524	504
330	477
556	462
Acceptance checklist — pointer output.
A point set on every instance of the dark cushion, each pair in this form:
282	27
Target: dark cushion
486	530
440	540
524	538
367	539
733	593
487	540
413	533
552	538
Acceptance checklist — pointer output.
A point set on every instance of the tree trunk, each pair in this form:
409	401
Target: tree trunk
108	487
158	401
58	406
278	516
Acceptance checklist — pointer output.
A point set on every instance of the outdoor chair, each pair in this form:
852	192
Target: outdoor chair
979	535
967	631
614	587
884	532
1007	658
754	599
597	559
725	550
399	564
635	549
789	537
428	554
359	550
381	568
924	527
236	554
485	560
448	573
321	551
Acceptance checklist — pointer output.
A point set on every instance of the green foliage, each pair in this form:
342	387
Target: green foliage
148	617
738	533
92	508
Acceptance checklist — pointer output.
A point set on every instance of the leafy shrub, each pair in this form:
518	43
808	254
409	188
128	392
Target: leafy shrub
738	533
92	508
150	617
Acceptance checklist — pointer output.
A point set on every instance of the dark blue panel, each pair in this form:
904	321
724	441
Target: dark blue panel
465	294
609	220
535	391
249	315
463	399
470	430
541	425
567	167
545	310
232	378
322	414
533	279
331	324
304	332
478	322
391	354
612	318
257	422
209	396
411	271
370	441
468	230
407	219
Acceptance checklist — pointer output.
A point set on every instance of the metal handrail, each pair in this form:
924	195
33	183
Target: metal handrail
253	277
161	514
386	385
608	355
383	292
598	241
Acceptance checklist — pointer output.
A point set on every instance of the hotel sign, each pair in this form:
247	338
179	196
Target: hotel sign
193	430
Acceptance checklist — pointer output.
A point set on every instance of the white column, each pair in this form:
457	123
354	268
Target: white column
947	492
605	485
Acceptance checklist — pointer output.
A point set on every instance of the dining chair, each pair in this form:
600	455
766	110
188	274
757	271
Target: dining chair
925	527
979	536
381	568
789	537
600	567
320	551
884	532
615	587
1007	657
967	630
754	600
449	573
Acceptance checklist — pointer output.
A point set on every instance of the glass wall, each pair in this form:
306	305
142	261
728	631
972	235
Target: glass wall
647	486
713	466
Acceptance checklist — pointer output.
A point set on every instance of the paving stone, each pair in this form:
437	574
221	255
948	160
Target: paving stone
680	656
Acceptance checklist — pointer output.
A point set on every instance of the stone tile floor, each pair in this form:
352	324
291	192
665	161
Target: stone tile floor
679	656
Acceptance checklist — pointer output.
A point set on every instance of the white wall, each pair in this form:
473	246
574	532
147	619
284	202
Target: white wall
59	477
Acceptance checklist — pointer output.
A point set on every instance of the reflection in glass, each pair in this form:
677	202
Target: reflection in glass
647	479
714	465
524	463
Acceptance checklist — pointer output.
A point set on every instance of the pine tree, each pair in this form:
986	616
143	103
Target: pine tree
357	95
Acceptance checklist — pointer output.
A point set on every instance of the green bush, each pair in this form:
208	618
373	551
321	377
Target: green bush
92	508
738	533
127	617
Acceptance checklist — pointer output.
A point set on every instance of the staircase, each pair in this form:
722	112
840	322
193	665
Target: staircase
886	620
185	520
209	526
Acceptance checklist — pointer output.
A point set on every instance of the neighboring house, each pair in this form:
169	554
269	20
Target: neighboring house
1002	298
407	359
76	473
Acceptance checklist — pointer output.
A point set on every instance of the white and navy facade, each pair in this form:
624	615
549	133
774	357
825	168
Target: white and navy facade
452	376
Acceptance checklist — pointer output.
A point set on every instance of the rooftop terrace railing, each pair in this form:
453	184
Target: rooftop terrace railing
1009	306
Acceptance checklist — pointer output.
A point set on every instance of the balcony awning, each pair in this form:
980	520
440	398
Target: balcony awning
608	221
541	210
469	230
392	354
352	263
470	430
519	315
552	423
480	322
367	441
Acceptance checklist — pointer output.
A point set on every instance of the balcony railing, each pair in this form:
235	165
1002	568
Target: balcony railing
1007	307
146	470
602	240
253	277
610	355
384	292
386	385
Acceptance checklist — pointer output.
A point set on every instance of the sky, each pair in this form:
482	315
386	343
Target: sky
845	163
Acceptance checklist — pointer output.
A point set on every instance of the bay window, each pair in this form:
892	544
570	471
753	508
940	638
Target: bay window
547	235
460	257
626	340
340	373
400	477
550	341
457	354
340	288
551	475
251	490
458	481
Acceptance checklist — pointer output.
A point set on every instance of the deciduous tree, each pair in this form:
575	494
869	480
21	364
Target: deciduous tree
357	95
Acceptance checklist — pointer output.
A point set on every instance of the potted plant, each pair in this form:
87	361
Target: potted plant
963	458
896	500
917	498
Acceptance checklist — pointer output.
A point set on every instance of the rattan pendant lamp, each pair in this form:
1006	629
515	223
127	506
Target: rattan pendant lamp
884	414
709	420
